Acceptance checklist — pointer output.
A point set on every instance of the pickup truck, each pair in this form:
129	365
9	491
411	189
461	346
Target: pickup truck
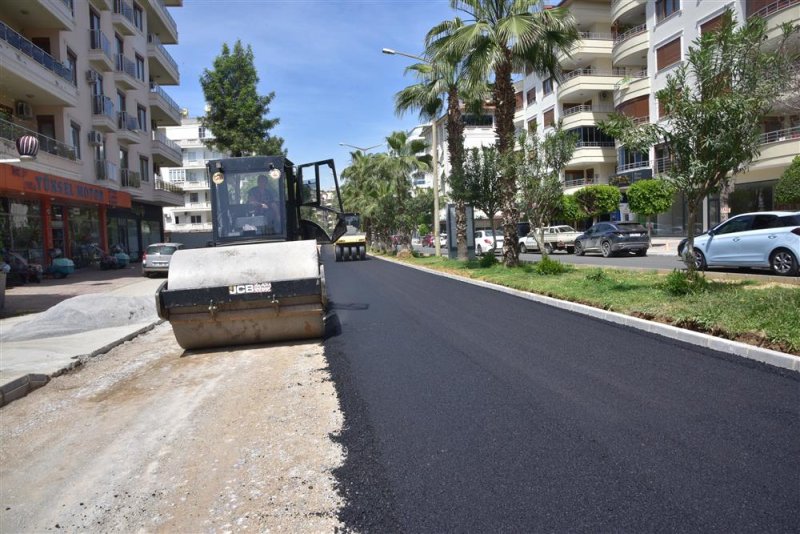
560	237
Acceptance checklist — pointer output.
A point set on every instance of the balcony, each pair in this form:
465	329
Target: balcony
590	48
105	170
632	86
29	73
625	10
582	83
104	117
160	22
591	153
122	18
631	47
128	131
163	68
196	185
166	194
101	56
47	145
584	115
163	110
776	14
189	227
580	182
130	179
56	15
125	77
102	5
166	153
778	148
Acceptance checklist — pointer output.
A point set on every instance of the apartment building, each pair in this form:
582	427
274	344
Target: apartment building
190	223
627	51
86	77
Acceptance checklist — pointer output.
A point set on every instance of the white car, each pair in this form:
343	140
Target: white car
768	239
485	241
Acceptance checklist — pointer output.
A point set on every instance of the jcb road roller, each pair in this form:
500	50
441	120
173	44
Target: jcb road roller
353	244
260	280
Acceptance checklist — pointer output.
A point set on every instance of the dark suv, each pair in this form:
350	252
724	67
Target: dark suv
610	238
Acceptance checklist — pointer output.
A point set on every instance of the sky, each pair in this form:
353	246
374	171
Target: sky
323	60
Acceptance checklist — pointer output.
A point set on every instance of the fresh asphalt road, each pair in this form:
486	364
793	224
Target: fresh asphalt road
468	410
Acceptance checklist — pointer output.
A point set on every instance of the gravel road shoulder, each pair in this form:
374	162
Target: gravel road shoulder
143	439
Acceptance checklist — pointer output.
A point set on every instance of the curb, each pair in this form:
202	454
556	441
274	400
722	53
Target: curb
768	356
20	387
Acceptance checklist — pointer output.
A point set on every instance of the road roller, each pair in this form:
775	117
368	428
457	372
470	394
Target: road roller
353	244
260	279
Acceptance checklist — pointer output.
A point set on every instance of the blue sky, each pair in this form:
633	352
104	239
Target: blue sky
322	58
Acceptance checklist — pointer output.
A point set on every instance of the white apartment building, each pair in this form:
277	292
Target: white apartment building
190	222
627	51
86	77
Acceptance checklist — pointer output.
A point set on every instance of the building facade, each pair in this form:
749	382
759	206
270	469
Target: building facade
86	77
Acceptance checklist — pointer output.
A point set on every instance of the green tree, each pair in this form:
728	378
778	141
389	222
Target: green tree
482	176
443	78
570	211
596	200
400	163
539	164
714	104
787	190
237	114
650	197
498	38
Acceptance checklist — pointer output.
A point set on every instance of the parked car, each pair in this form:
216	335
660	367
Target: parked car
157	257
561	237
485	241
611	238
442	240
766	239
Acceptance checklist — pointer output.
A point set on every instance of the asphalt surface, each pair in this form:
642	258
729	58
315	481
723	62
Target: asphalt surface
468	410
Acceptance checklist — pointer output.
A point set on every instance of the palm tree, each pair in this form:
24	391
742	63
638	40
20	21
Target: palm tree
439	79
497	39
399	164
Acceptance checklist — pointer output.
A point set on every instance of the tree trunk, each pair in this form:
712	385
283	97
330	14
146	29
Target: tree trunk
688	251
461	230
455	148
504	117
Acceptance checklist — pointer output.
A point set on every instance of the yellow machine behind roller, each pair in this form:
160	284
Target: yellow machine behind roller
353	244
262	281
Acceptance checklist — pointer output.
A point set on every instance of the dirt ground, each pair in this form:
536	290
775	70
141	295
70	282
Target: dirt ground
149	439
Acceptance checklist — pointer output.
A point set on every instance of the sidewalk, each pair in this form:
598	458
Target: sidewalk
113	306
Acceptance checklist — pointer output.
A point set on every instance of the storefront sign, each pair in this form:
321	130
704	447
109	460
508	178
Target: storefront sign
13	178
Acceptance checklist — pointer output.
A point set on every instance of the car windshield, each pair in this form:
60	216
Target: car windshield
164	250
631	227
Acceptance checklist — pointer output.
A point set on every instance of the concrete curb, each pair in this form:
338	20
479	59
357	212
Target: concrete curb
770	357
20	387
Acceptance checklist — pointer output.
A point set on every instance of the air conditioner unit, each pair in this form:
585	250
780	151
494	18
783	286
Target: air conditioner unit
23	110
603	95
95	138
92	76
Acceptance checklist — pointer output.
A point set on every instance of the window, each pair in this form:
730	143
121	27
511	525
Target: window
668	54
72	63
532	125
139	67
144	169
123	158
549	117
75	133
138	17
194	198
665	8
737	224
141	114
201	132
94	20
547	86
191	156
530	96
518	104
197	219
592	136
121	102
711	25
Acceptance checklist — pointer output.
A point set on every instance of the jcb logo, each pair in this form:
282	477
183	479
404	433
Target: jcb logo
242	289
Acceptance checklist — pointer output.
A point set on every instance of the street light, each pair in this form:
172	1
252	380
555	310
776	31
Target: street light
360	148
434	158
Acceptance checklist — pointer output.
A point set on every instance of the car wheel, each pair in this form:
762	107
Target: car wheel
523	249
338	253
362	252
605	248
579	249
699	261
641	252
783	263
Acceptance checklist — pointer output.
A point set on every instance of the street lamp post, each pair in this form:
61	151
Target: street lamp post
434	158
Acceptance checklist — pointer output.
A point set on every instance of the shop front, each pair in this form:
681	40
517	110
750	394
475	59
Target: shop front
43	216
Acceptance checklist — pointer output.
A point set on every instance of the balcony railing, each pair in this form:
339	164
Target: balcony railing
642	28
774	7
594	144
105	170
155	41
578	182
99	41
155	88
597	36
162	185
662	165
37	54
126	65
129	178
586	108
103	105
616	71
634	165
11	132
170	20
125	9
780	135
161	137
70	5
127	122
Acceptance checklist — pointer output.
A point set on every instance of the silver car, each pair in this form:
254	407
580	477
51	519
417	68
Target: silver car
157	257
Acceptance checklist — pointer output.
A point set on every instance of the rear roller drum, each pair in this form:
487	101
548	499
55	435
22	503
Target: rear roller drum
362	252
338	252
